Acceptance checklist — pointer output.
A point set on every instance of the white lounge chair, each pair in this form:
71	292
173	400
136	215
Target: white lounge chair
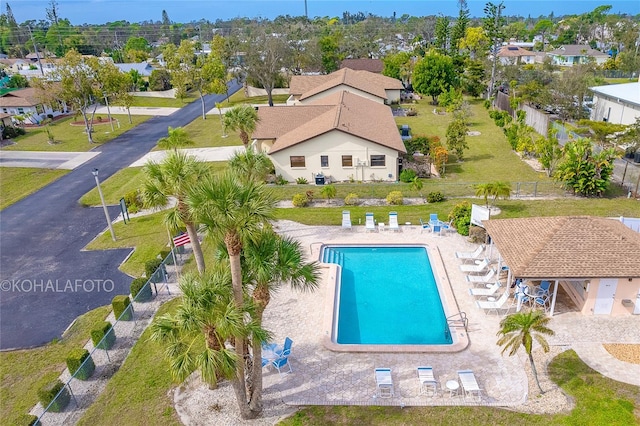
470	255
487	291
346	219
494	305
477	268
384	382
481	278
469	383
393	221
369	224
428	383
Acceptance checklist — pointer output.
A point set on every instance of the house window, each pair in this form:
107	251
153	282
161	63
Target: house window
324	161
377	161
20	110
297	161
347	161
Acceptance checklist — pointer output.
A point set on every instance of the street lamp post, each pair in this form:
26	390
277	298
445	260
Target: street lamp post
104	206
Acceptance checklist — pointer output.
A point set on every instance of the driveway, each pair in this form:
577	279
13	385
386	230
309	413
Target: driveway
45	160
46	280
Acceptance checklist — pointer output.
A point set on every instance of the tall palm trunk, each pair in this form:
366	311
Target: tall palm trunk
261	298
195	245
535	372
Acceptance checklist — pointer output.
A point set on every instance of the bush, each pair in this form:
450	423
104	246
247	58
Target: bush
281	181
164	254
48	392
301	181
27	420
407	175
80	363
133	201
394	198
10	132
411	112
435	197
300	200
352	199
122	308
140	292
461	217
477	234
98	335
159	80
150	267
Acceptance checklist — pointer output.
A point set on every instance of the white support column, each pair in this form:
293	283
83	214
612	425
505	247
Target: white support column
553	299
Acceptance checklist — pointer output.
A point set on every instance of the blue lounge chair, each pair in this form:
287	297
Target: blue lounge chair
280	363
433	219
424	226
286	349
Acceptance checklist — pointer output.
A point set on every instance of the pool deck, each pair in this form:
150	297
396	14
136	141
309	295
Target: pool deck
324	377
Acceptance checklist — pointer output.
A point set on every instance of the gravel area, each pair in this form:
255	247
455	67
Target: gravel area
624	352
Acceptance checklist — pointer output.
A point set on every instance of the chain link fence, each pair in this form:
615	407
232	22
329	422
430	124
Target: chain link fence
80	389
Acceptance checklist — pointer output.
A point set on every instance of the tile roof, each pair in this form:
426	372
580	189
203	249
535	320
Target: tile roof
566	247
577	50
306	86
20	98
363	64
513	51
343	111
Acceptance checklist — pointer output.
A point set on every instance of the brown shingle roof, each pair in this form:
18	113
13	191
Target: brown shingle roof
344	111
566	247
363	64
577	50
375	84
511	51
20	98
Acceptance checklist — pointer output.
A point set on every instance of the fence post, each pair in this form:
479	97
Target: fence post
535	189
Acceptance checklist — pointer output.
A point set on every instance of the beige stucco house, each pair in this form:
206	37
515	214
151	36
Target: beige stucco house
515	55
595	260
342	136
25	103
375	87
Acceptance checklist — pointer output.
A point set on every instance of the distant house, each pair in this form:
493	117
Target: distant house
515	55
376	87
593	260
144	68
343	136
364	64
616	103
24	102
15	65
570	54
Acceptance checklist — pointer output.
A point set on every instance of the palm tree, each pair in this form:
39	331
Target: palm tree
197	334
243	118
520	329
249	165
173	178
177	138
329	192
500	189
484	190
232	211
271	262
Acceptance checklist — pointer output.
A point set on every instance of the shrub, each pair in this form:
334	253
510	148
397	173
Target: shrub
27	420
300	200
150	268
394	198
122	308
133	201
98	335
407	175
159	79
10	132
411	112
435	197
80	363
477	234
140	292
309	195
352	199
281	181
48	392
461	217
301	181
164	254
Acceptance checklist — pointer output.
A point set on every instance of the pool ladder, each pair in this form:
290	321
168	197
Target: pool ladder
457	320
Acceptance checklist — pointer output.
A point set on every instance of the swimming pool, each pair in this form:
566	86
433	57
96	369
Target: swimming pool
386	297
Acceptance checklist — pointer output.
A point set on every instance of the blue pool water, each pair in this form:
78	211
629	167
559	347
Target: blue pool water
387	296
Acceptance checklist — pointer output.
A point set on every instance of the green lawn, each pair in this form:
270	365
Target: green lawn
147	234
137	393
18	182
240	98
23	372
73	138
147	101
600	401
208	133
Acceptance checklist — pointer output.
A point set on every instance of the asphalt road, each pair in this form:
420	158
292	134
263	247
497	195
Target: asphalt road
46	280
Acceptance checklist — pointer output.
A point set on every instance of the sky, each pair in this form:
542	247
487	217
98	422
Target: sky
102	11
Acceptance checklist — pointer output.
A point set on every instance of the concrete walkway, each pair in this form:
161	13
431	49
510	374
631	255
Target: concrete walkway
45	159
155	111
223	153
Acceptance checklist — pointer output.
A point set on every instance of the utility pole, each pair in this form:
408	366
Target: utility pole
35	46
306	15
